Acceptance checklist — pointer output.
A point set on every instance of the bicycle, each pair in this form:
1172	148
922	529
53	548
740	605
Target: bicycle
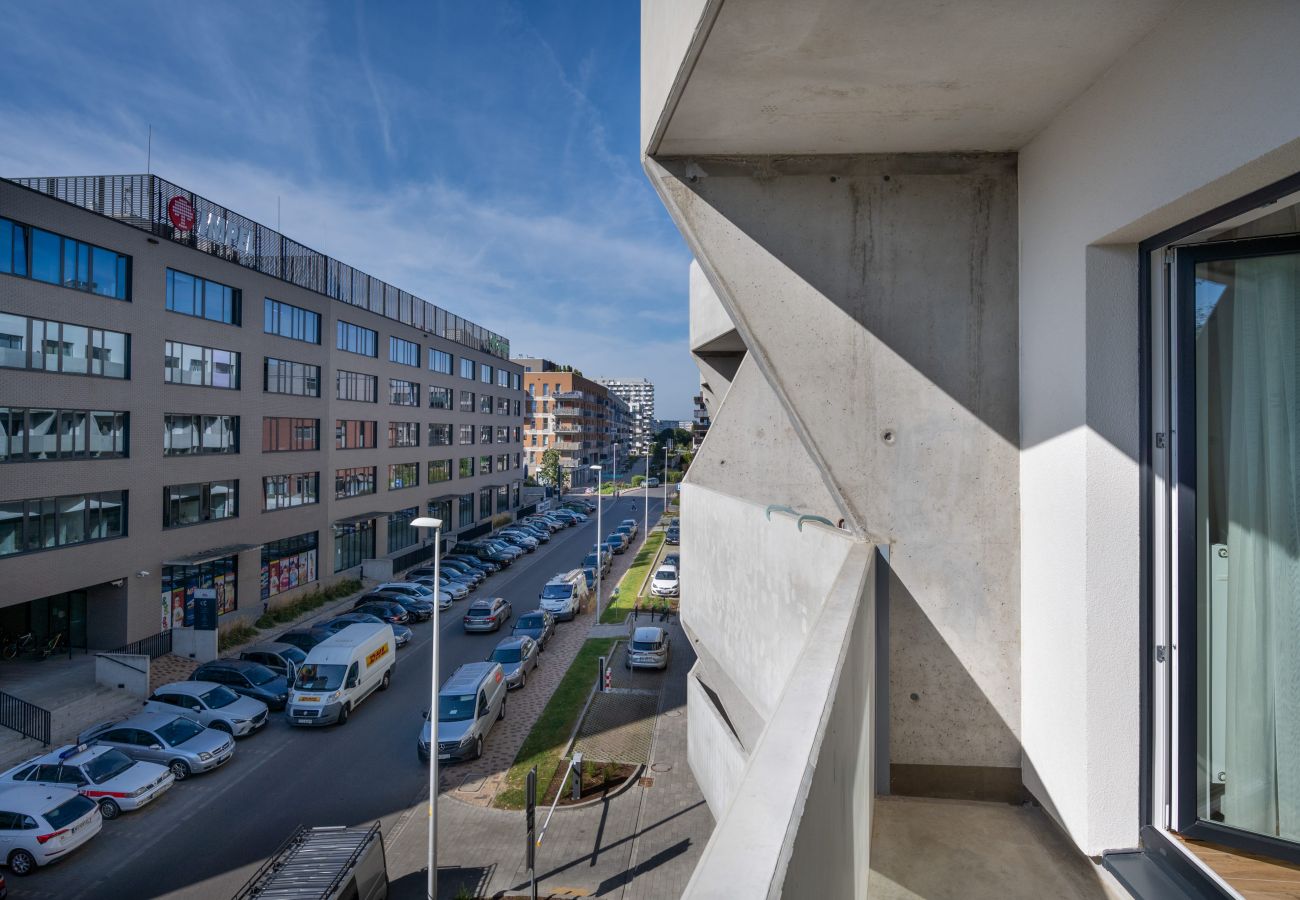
12	646
53	645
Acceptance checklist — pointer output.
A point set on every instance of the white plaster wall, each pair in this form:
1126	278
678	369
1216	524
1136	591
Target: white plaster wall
716	758
756	587
709	320
1199	112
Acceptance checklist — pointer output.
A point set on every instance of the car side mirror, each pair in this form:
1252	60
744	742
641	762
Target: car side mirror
351	682
425	716
155	746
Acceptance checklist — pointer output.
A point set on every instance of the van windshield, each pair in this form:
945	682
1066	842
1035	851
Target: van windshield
455	707
557	592
315	677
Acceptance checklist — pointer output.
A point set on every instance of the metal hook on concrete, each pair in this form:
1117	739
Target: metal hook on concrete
776	507
822	519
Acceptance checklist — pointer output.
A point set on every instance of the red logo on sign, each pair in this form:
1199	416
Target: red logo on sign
181	211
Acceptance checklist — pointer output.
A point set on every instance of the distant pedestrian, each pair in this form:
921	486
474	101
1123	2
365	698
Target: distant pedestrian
636	610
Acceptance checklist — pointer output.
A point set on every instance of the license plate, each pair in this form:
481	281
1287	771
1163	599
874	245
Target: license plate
444	756
309	699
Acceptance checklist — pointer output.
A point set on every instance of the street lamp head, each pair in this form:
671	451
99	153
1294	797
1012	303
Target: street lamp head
595	468
426	522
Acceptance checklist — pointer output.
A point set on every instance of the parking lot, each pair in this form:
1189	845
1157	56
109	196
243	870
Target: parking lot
206	836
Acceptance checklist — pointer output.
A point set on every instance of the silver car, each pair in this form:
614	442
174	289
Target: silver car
178	742
517	655
487	614
455	589
211	704
648	649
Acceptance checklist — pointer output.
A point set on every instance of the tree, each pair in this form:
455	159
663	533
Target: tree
550	472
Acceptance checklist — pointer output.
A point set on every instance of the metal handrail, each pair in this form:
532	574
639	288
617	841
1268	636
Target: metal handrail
27	719
153	646
111	658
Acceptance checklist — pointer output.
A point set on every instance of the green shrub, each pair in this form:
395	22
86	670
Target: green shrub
235	636
638	480
308	602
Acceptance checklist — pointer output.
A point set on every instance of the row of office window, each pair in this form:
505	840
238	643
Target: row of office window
30	252
404	434
354	434
289	321
28	435
188	434
41	344
403	393
356	386
503	406
200	366
280	376
406	353
354	482
46	522
289	491
355	339
403	475
284	434
202	298
208	501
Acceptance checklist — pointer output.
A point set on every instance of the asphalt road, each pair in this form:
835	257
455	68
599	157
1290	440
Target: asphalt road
207	835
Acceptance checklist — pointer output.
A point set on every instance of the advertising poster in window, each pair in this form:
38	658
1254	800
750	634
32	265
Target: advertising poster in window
311	565
225	585
275	576
293	571
266	582
182	607
166	610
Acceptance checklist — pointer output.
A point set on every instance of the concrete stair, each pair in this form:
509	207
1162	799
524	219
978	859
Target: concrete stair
95	704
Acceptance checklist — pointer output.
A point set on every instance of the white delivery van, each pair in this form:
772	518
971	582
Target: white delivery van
340	672
562	596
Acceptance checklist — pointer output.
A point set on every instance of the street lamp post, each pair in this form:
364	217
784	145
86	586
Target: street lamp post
436	525
600	559
645	532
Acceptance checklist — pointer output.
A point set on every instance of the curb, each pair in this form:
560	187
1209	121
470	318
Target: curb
604	798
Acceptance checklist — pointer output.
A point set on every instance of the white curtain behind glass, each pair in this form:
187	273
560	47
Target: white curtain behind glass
1261	445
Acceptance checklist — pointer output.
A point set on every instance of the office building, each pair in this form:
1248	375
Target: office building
992	547
192	401
571	414
639	395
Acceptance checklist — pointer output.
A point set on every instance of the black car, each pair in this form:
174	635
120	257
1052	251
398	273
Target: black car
388	610
248	678
483	565
282	659
304	639
672	536
538	625
419	610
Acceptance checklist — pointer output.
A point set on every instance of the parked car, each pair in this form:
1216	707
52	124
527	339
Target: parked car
409	588
672	559
526	542
417	609
401	634
504	547
44	824
455	590
672	536
302	638
248	678
630	523
487	614
541	532
178	742
104	774
563	595
349	861
390	611
470	702
484	553
665	582
628	532
211	704
590	574
477	558
648	649
538	625
342	671
552	525
451	570
279	657
605	560
615	544
652	482
518	656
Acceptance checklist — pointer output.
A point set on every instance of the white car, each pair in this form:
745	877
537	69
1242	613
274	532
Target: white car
210	704
104	774
665	582
40	824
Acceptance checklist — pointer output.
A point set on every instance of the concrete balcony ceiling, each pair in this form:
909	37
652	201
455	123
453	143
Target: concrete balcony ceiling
764	77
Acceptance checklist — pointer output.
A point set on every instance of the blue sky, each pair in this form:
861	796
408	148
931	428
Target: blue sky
483	155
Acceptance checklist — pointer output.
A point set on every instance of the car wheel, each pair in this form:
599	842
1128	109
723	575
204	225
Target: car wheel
21	862
343	714
478	747
523	678
180	769
109	809
388	676
223	726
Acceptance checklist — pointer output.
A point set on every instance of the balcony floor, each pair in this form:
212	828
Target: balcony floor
925	849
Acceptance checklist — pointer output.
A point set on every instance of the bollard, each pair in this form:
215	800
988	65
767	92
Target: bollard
576	766
600	674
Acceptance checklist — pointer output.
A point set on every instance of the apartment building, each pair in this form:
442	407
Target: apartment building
639	395
194	401
700	422
569	413
992	545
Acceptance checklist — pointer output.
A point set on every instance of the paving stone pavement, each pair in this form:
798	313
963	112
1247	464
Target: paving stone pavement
168	668
618	727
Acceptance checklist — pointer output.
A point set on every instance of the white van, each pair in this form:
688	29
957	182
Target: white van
563	595
340	672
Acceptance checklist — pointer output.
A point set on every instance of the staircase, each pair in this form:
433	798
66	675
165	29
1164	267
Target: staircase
95	704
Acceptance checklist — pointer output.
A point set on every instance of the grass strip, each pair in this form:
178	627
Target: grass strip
545	743
619	608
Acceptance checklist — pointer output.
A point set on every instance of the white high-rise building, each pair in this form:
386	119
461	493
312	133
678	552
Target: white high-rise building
639	395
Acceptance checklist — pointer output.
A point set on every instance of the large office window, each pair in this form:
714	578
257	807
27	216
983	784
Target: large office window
282	434
503	378
289	563
485	373
354	482
485	502
48	522
465	434
30	435
208	501
63	347
403	434
187	434
354	434
355	339
439	361
485	434
485	404
289	321
503	498
485	465
467	368
503	406
403	393
503	462
503	434
201	366
440	397
406	353
356	386
353	543
401	533
288	491
403	475
191	295
467	467
439	470
439	435
467	401
63	260
281	376
466	514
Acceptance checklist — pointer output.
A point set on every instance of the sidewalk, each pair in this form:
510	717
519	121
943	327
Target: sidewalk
642	844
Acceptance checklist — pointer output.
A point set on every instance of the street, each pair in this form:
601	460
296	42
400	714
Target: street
209	834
